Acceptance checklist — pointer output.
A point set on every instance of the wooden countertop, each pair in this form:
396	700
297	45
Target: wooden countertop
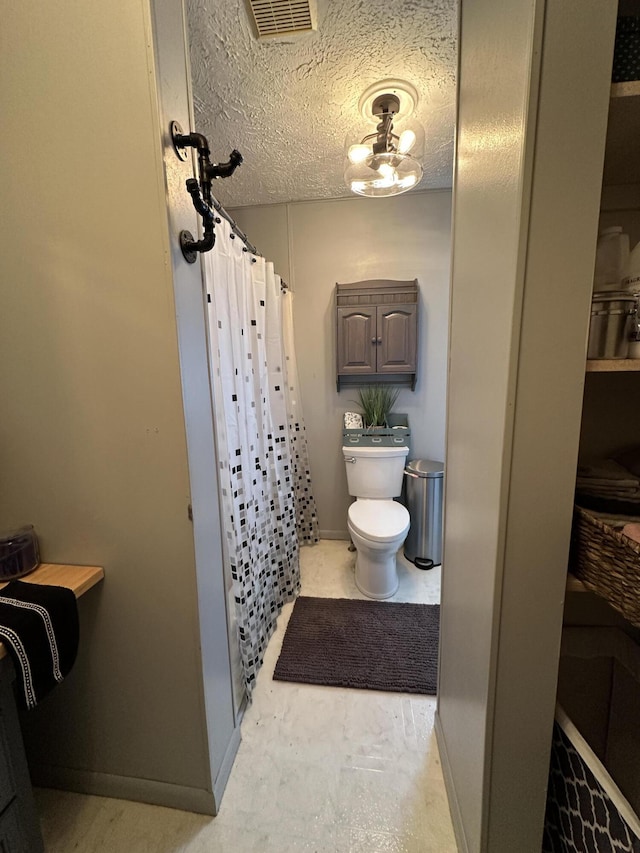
76	578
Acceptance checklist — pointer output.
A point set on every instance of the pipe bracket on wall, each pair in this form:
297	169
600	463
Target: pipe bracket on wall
200	190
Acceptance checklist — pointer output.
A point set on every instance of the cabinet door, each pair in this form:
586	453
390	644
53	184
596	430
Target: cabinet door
19	825
357	339
7	782
12	839
397	336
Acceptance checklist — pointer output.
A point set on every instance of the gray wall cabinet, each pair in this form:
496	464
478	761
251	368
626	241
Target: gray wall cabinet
377	332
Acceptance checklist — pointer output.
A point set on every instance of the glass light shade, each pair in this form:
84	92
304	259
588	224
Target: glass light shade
386	170
406	142
383	174
358	153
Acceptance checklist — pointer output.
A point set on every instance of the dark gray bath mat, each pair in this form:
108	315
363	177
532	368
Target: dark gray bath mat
375	645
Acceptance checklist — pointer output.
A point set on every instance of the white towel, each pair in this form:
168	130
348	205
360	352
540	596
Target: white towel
607	472
606	478
352	420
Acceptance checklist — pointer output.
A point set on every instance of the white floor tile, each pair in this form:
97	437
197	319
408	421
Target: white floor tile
324	769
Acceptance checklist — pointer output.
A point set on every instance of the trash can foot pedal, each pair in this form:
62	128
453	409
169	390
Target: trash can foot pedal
421	563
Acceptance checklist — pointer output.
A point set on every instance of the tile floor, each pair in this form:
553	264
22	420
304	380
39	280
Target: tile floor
319	768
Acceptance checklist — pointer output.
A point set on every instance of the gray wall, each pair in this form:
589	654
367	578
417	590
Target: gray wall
531	126
313	246
93	448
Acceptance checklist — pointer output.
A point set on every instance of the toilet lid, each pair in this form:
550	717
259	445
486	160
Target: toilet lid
378	520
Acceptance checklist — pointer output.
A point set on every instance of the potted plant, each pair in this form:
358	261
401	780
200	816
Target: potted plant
376	402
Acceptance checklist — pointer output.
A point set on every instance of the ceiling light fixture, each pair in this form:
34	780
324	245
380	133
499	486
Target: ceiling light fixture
386	163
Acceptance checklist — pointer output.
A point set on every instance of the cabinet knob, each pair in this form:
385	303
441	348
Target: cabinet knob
374	340
379	341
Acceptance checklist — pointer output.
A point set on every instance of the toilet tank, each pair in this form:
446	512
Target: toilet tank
375	472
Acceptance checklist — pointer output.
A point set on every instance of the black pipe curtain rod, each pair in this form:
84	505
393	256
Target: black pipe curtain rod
234	227
249	247
202	197
200	191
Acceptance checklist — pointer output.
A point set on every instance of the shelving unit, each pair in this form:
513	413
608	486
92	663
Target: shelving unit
613	365
622	164
611	412
611	407
628	89
621	183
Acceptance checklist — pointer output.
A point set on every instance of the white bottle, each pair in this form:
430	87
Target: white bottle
612	256
631	280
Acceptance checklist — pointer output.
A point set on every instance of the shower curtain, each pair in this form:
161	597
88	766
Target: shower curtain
306	517
265	483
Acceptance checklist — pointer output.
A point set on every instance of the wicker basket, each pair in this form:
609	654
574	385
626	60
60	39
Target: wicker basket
607	563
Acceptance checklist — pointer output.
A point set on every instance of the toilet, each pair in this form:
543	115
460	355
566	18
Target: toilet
378	525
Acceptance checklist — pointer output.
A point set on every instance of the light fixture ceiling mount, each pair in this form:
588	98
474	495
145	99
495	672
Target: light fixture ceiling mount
385	163
406	94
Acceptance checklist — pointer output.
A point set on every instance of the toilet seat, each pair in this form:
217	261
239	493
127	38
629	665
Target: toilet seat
378	520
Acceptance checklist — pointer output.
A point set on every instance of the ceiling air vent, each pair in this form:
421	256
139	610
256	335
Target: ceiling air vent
275	18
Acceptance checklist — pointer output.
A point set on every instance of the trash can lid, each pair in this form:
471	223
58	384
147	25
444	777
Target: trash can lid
425	468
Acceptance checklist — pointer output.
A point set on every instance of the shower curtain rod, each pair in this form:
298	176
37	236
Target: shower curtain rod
249	247
234	227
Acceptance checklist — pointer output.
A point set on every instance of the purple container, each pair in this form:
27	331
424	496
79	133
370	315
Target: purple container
19	553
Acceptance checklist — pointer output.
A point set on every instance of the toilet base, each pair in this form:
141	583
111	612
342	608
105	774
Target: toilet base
376	569
386	583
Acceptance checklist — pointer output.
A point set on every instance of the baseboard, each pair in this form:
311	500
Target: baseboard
225	769
454	806
335	534
124	788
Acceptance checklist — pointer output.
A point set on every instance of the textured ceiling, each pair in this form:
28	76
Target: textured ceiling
288	105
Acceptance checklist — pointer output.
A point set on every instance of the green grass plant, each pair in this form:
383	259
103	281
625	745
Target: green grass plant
376	402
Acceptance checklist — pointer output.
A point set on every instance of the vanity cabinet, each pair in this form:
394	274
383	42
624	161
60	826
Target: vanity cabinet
19	825
377	332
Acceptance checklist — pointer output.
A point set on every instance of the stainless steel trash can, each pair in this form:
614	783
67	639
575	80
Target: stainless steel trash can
424	481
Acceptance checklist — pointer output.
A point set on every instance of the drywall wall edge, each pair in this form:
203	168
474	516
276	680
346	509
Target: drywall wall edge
454	806
124	788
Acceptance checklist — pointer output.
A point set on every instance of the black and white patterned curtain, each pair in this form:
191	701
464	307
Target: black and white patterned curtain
264	477
306	516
